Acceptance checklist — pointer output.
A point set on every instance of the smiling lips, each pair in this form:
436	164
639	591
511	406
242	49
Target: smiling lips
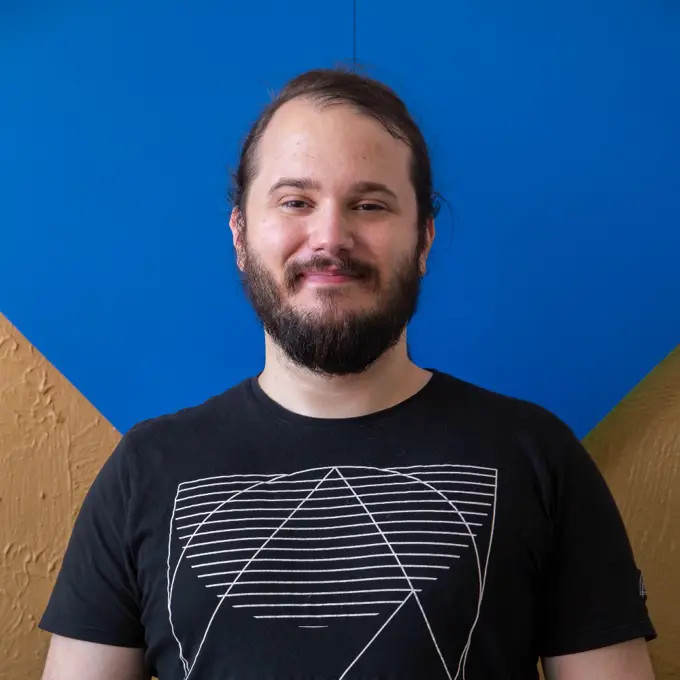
328	276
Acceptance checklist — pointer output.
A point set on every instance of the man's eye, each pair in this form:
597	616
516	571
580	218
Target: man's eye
296	204
370	206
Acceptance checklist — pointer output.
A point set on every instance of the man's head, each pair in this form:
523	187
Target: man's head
333	219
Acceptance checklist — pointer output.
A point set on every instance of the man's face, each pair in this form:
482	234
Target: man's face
328	242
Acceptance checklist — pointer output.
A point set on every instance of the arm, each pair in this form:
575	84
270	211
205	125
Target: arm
593	619
94	611
625	661
70	659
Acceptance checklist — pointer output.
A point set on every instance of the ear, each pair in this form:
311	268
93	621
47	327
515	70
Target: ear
237	226
429	240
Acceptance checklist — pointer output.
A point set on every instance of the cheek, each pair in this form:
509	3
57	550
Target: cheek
273	241
392	247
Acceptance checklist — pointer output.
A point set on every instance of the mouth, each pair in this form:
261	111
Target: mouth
331	277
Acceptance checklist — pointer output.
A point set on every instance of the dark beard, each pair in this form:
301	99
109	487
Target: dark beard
334	342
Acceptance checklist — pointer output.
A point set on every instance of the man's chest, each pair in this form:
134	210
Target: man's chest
348	571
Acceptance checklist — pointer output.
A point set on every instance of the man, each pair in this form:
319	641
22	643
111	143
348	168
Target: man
346	513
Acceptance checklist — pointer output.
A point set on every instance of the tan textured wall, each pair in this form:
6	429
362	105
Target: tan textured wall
53	442
637	447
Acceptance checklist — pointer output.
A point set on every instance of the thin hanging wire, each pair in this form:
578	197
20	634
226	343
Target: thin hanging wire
354	36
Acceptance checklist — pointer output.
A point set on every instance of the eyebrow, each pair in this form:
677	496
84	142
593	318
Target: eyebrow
306	184
302	183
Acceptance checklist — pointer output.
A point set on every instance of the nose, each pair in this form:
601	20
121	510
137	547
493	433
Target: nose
330	231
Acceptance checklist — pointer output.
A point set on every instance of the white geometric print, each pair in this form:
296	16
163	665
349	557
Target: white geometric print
311	547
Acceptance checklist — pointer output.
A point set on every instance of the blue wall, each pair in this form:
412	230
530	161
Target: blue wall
555	137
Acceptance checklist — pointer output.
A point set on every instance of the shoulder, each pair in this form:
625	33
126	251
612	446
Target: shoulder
524	438
517	427
508	413
218	417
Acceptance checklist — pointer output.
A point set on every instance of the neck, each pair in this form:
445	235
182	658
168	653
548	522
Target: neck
389	381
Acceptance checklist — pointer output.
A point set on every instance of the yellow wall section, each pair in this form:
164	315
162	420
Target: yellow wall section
53	442
637	447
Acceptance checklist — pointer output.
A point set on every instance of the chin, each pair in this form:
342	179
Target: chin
334	306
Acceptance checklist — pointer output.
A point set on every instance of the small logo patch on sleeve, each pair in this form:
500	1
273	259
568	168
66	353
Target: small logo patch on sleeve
642	588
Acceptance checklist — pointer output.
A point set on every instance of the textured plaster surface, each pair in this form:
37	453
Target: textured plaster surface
52	443
637	447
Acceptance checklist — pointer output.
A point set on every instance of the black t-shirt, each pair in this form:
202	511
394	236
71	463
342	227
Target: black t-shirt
457	535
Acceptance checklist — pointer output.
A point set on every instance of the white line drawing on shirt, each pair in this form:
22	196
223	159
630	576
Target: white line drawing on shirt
280	512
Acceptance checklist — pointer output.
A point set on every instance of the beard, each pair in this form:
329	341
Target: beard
331	340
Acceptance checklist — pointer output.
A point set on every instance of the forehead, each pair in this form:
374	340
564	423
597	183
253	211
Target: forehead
333	144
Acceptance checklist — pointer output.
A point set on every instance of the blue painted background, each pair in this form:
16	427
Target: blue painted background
555	136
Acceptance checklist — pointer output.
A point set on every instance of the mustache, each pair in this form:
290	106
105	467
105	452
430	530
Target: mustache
345	266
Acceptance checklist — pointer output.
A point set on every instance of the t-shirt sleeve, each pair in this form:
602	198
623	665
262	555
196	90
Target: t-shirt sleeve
592	593
96	597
